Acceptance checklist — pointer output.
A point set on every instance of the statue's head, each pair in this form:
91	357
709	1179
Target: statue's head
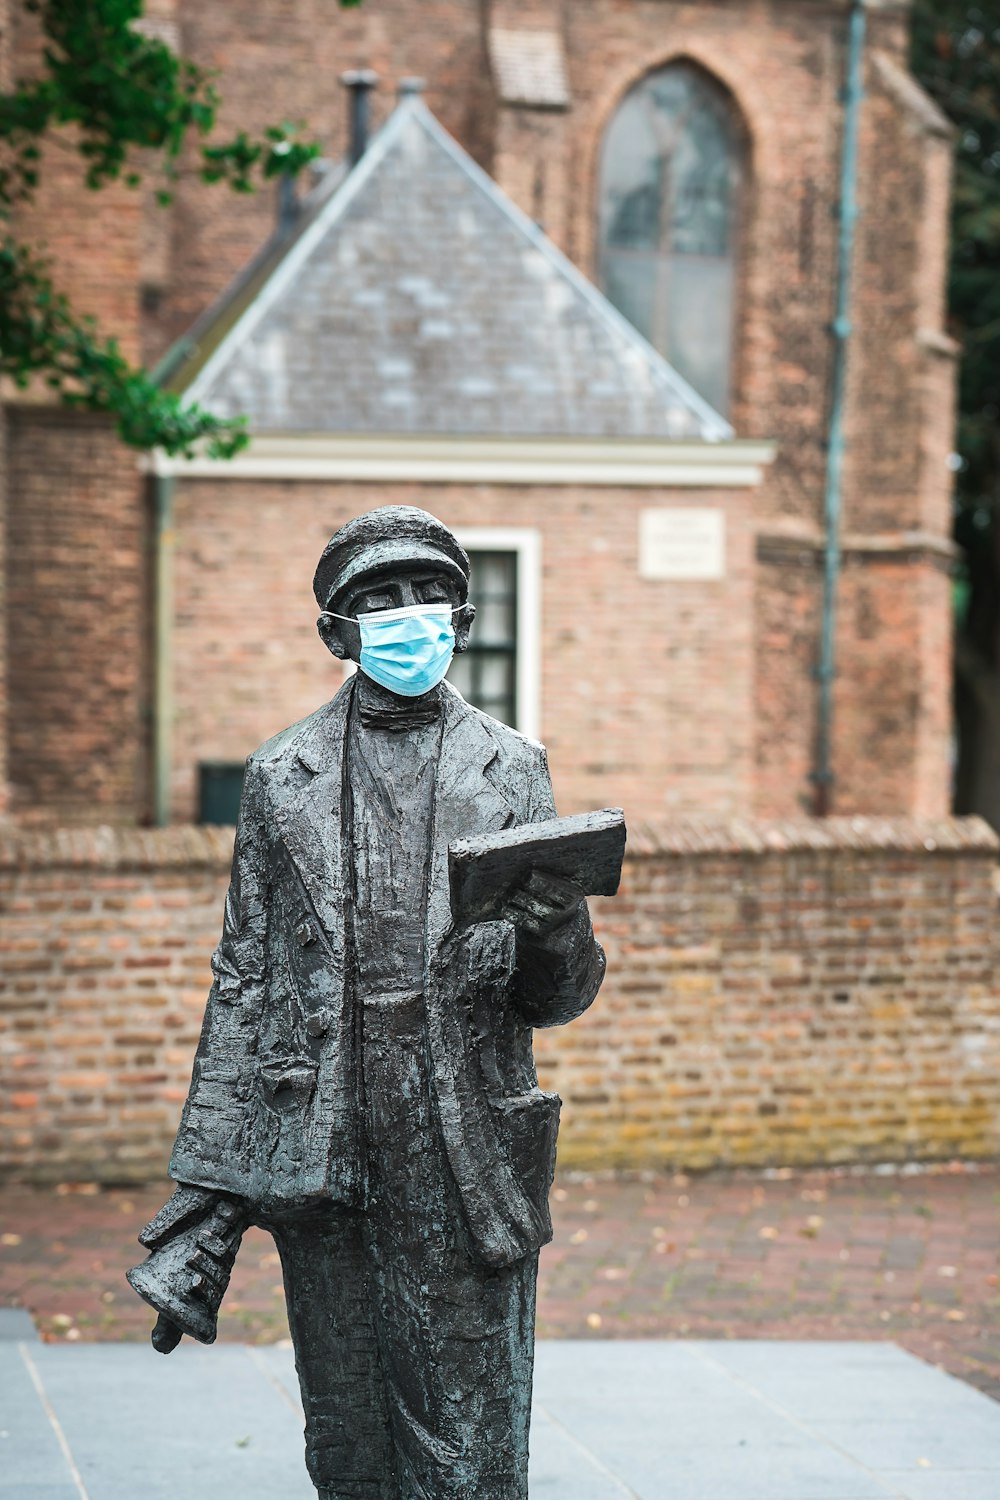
395	559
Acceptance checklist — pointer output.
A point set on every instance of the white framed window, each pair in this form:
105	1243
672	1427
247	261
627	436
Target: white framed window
501	671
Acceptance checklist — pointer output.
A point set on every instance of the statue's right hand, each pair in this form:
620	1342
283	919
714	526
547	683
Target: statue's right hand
165	1335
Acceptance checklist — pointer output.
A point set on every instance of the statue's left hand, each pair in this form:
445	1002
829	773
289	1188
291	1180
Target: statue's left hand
543	903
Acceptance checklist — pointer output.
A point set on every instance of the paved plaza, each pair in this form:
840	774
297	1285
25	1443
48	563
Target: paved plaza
648	1420
748	1336
912	1257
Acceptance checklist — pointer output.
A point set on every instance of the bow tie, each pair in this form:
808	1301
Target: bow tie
399	717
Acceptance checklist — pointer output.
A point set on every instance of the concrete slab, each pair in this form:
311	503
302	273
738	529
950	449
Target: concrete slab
16	1326
33	1463
695	1420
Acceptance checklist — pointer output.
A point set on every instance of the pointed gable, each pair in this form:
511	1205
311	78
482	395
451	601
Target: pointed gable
421	301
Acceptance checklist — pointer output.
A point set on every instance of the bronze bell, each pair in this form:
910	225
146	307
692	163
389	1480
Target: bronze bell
193	1242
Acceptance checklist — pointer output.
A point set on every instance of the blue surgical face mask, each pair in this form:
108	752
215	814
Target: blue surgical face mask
407	650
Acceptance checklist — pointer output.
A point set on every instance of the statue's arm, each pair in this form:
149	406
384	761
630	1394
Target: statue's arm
235	1002
238	962
560	964
197	1208
219	1079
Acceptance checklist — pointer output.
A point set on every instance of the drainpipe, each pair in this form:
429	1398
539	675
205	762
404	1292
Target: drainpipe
822	775
163	619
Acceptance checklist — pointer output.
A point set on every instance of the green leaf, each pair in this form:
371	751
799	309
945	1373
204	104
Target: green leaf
123	92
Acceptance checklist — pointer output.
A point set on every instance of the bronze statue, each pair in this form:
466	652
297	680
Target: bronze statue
364	1085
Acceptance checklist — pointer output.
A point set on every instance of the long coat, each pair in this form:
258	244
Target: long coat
273	1110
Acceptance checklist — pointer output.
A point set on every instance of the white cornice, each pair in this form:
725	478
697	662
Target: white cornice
460	460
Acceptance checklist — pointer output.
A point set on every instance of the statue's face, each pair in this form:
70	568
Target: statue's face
398	588
392	588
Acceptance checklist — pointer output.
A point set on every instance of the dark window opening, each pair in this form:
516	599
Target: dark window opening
220	786
486	674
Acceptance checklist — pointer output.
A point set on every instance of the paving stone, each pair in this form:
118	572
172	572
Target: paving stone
956	1440
198	1424
16	1326
32	1464
928	1485
698	1420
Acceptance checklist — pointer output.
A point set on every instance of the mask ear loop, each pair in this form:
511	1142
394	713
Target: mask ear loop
356	619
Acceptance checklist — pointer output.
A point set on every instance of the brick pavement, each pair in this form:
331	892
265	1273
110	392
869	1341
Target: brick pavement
911	1256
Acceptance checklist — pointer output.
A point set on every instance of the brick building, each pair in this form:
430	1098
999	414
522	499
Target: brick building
650	567
576	298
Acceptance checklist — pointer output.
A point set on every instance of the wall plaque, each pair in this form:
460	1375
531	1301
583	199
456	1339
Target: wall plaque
683	544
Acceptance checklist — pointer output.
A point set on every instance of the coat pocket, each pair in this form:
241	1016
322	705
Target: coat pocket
288	1084
528	1124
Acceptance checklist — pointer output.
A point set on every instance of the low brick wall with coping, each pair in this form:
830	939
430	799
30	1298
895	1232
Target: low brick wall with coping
777	993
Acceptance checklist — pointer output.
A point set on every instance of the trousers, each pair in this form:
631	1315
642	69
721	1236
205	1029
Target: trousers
414	1359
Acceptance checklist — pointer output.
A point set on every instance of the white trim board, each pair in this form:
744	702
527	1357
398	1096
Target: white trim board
461	460
527	544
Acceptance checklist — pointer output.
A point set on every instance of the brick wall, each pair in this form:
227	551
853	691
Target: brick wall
106	940
148	272
646	686
4	690
91	241
783	65
77	637
776	993
792	993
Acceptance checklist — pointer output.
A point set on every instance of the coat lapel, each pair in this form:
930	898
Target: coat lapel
310	820
471	801
468	801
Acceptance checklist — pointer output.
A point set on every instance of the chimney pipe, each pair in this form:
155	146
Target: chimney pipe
359	83
288	203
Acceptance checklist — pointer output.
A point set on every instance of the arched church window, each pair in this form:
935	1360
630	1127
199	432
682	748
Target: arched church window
672	170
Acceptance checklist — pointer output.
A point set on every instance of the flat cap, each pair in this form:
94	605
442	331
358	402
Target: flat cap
383	538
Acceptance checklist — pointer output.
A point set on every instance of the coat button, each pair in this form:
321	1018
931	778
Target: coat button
306	933
318	1024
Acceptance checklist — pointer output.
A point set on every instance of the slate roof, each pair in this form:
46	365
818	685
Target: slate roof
418	299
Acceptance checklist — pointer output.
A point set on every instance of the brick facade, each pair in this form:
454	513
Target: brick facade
148	272
248	660
776	993
77	619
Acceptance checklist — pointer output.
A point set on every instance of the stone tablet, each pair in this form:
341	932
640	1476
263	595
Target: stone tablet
682	544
